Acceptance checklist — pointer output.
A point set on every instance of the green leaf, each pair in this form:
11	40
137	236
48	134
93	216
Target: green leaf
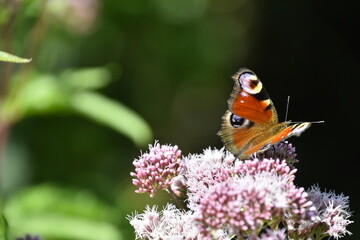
56	213
87	78
40	94
54	226
7	57
3	228
113	114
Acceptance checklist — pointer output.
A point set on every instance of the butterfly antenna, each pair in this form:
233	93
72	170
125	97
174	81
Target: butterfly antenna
317	122
287	108
309	122
287	111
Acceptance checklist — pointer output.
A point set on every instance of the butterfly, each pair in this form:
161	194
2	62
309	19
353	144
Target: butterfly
251	123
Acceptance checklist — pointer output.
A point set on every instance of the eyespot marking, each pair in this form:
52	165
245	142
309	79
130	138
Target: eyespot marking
237	121
250	83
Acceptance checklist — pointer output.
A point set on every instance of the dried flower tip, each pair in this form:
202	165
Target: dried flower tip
178	186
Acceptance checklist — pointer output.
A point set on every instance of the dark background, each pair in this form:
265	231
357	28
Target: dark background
176	59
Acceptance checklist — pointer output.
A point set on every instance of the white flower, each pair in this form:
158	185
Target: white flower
333	211
168	224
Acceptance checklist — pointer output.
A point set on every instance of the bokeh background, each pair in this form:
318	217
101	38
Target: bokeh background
109	77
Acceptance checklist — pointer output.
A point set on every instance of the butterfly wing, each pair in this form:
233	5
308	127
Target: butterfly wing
250	100
243	141
292	130
251	124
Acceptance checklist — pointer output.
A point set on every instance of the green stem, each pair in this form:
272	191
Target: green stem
7	36
36	35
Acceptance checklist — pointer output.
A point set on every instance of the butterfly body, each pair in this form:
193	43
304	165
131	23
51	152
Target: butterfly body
251	124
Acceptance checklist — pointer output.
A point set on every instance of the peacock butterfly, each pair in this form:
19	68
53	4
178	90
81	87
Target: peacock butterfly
251	123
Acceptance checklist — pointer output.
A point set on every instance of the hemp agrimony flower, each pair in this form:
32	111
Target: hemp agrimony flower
281	150
225	198
170	223
202	171
156	169
333	215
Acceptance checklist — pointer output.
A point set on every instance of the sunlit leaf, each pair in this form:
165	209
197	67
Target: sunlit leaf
88	78
55	213
42	94
114	115
7	57
55	226
49	198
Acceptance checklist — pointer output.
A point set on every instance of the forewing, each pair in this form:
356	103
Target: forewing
250	100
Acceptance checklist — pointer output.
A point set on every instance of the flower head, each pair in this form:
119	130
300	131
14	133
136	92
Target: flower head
256	165
156	169
205	170
237	209
281	150
168	224
301	208
245	203
333	215
333	211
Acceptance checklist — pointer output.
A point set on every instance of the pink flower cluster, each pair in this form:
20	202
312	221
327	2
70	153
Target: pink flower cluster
247	203
156	169
300	207
281	150
202	171
226	198
237	209
255	166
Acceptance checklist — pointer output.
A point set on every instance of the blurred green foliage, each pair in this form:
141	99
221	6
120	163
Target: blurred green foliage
71	91
61	214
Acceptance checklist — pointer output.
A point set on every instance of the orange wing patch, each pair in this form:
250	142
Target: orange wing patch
247	106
